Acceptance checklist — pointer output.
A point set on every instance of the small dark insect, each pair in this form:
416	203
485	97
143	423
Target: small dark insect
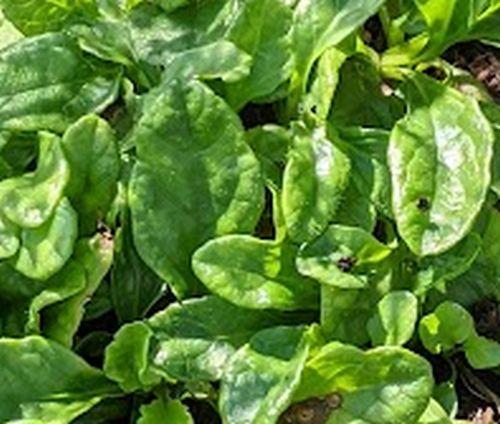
311	411
346	263
423	204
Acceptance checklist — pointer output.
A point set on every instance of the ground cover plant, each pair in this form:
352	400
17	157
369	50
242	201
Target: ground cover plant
249	211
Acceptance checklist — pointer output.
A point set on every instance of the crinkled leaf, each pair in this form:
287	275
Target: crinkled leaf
450	324
261	377
386	385
434	414
315	177
254	273
179	197
48	84
44	250
61	320
30	200
126	358
342	257
395	319
432	154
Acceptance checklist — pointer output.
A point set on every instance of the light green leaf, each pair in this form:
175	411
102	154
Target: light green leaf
162	411
69	383
386	385
254	273
30	200
8	32
260	28
343	257
261	377
61	321
326	79
185	127
450	324
395	319
90	148
321	24
432	154
434	414
315	177
126	358
482	353
48	84
450	22
45	250
9	238
38	16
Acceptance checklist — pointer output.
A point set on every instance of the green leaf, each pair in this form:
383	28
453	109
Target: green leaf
386	385
434	414
270	144
315	177
161	411
60	321
261	29
38	16
343	257
319	25
30	200
359	100
369	188
261	377
435	271
326	79
126	358
346	312
134	286
70	386
254	273
186	128
195	340
451	22
395	319
91	151
432	154
49	84
189	342
221	59
482	353
450	324
45	250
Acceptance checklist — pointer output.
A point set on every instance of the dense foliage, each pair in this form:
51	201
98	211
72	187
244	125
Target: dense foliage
258	211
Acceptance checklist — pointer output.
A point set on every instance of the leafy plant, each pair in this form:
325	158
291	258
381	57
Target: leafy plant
245	211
